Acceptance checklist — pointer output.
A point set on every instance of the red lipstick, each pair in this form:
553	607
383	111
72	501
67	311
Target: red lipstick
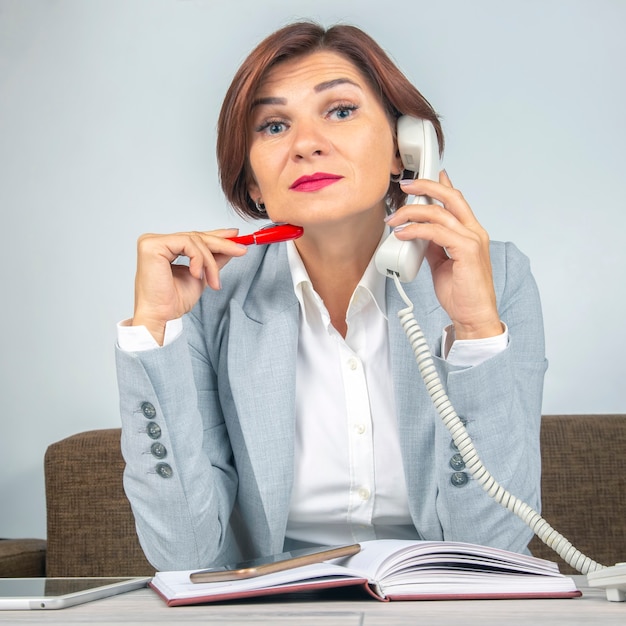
314	182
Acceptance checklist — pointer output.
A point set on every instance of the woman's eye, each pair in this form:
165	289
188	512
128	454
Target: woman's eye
343	112
271	127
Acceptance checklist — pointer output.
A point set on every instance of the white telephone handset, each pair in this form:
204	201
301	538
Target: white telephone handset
419	151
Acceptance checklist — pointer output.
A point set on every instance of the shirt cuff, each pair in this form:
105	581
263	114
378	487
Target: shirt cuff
470	352
138	338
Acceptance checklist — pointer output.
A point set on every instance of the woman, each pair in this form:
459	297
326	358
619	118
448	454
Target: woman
269	397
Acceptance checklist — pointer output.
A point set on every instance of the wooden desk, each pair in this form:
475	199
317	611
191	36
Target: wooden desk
145	607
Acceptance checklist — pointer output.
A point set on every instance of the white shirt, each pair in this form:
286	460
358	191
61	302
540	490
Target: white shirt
349	482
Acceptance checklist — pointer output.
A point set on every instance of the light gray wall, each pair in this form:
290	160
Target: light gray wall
107	118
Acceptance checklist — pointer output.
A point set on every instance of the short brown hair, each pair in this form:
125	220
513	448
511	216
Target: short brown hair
397	95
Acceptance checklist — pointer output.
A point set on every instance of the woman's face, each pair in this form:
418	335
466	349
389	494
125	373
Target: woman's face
322	147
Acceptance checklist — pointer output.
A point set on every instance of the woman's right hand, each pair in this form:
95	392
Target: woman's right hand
164	291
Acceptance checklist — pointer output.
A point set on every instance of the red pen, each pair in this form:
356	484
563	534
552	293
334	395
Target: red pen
273	233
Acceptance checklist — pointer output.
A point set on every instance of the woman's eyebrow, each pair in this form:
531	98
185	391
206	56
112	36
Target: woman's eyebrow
268	100
327	84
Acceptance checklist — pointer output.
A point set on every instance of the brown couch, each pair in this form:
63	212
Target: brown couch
91	529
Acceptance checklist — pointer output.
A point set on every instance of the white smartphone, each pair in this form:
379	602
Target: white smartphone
273	563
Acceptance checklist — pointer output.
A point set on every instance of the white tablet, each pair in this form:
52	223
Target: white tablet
18	594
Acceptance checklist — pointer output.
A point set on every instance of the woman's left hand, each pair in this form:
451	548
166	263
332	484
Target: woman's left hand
462	277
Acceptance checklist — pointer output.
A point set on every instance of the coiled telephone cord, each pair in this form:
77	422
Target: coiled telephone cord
466	448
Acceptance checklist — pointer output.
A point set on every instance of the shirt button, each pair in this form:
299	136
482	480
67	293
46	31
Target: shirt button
158	450
364	493
353	363
153	430
164	470
359	429
459	479
457	463
148	410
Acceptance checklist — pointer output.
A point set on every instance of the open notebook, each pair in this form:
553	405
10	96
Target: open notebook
393	570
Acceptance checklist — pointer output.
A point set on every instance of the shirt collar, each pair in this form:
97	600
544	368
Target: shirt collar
372	281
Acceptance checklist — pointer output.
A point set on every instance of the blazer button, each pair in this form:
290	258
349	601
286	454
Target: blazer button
153	430
164	470
457	463
459	479
148	410
158	450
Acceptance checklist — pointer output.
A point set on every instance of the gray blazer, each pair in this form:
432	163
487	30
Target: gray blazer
208	421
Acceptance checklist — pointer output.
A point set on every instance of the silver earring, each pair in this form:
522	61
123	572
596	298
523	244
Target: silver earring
396	178
260	207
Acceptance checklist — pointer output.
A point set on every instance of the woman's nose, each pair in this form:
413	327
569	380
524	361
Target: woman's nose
308	139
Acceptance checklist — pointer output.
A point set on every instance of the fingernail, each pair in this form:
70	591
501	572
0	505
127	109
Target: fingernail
401	227
406	181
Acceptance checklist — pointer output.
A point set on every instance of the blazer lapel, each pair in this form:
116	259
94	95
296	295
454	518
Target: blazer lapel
415	411
406	375
262	353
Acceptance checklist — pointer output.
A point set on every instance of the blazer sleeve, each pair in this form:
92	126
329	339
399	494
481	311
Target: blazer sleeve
179	474
500	401
206	474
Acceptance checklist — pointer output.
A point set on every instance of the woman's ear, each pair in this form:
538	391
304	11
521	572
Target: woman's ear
397	168
253	191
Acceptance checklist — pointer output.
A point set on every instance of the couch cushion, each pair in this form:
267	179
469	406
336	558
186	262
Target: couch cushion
22	558
91	529
583	478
